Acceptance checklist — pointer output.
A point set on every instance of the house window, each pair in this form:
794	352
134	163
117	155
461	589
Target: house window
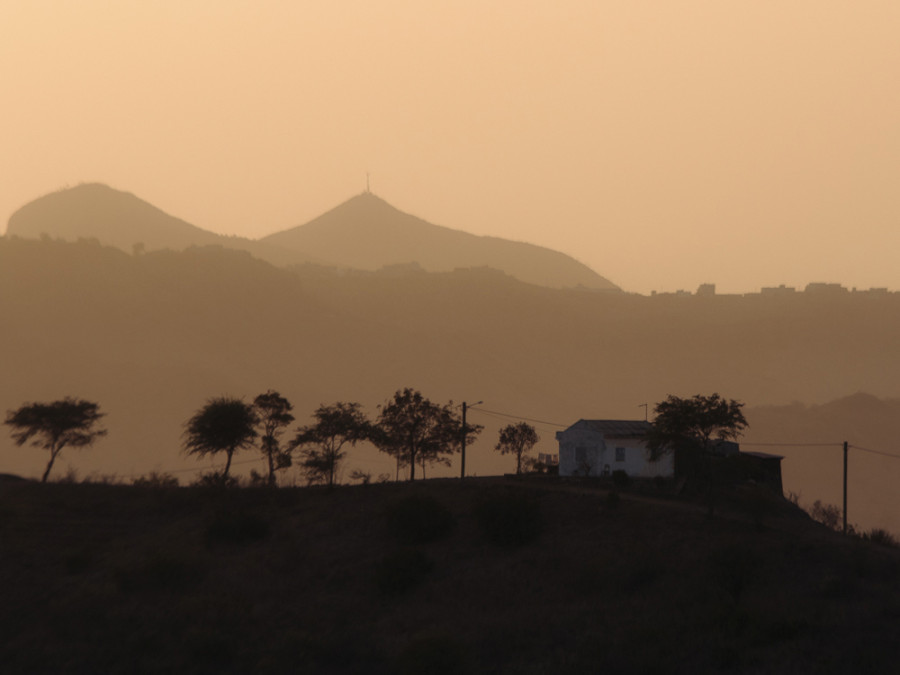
620	454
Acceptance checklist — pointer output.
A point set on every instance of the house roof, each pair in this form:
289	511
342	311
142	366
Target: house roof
618	428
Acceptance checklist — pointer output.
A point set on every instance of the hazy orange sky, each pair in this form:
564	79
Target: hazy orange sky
664	143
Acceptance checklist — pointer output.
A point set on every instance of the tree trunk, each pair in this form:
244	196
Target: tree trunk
228	463
53	454
271	468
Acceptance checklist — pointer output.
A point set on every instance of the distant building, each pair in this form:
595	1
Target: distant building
599	447
820	288
778	290
706	289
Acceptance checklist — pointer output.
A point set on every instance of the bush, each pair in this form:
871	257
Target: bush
402	571
419	519
156	480
230	527
621	479
881	537
216	480
511	519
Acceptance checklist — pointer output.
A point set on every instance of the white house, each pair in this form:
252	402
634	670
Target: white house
600	447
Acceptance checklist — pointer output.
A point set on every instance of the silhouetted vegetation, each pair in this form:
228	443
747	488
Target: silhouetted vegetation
517	439
274	413
321	444
691	424
54	426
414	430
224	424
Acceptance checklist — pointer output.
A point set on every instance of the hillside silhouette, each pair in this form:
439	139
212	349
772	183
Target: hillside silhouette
151	337
367	233
262	581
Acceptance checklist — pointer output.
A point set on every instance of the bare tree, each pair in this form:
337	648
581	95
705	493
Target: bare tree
53	426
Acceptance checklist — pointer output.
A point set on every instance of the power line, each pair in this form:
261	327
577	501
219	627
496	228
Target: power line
518	417
876	452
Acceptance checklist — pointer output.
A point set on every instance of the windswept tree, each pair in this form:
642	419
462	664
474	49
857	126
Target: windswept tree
321	444
517	439
692	424
274	414
414	430
224	424
53	426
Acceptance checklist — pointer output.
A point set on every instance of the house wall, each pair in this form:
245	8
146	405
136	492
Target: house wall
583	451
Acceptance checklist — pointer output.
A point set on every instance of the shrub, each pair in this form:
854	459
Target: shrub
827	514
236	527
156	480
510	519
402	571
215	480
419	519
620	478
881	537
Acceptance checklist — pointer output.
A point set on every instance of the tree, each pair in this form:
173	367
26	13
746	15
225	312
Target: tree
413	429
53	426
691	424
321	444
224	424
517	439
274	413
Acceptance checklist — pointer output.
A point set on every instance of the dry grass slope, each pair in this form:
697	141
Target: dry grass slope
105	578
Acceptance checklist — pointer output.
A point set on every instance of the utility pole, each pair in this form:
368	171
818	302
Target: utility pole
845	487
462	469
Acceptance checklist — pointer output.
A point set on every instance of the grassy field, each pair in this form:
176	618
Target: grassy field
493	575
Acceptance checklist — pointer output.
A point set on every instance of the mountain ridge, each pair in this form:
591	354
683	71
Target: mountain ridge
364	232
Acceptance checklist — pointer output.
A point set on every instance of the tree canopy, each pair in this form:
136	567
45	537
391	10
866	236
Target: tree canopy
274	413
413	429
53	426
517	439
321	444
693	423
224	424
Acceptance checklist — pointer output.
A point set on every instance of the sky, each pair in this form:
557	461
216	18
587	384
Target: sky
664	143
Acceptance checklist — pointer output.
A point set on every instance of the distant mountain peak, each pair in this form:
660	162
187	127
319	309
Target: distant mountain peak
366	232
